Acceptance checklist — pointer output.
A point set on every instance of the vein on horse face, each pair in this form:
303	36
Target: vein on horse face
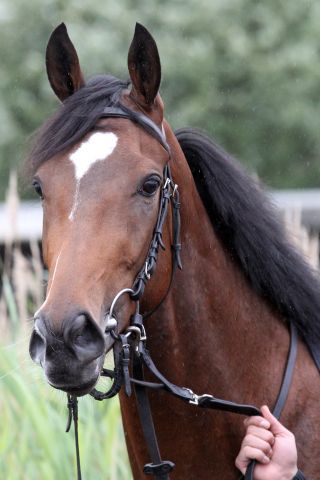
51	283
99	146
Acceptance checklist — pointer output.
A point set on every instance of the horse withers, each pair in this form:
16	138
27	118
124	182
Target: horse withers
219	325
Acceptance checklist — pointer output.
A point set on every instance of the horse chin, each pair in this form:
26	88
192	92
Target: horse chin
63	372
78	391
85	388
77	382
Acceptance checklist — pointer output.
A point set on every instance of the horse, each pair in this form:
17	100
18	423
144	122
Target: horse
220	324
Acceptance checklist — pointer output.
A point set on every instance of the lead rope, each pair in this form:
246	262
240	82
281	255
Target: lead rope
73	415
284	390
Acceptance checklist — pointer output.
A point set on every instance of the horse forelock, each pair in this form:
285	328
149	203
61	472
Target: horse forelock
248	226
74	119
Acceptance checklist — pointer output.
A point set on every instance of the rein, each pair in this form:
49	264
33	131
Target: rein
131	347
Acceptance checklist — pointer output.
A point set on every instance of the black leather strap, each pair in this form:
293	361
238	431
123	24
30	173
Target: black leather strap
287	378
169	192
250	470
158	468
73	415
284	390
120	111
204	401
299	476
119	375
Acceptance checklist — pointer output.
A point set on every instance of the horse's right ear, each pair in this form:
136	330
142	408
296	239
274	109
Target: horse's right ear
62	64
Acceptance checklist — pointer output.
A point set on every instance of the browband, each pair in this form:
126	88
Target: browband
140	119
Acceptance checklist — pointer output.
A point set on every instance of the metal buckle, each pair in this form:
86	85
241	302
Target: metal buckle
141	333
195	398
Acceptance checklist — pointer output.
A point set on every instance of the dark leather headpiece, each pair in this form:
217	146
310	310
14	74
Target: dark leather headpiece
140	119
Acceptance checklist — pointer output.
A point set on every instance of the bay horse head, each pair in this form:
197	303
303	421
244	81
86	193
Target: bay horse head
100	175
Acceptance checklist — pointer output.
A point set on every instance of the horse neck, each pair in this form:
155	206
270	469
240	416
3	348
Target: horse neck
213	323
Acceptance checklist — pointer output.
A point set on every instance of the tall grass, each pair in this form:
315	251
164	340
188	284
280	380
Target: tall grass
33	442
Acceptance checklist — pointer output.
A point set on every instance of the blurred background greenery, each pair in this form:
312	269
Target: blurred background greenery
246	71
33	442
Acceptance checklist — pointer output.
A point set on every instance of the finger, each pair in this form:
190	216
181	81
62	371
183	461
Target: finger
262	433
247	454
255	442
275	426
257	421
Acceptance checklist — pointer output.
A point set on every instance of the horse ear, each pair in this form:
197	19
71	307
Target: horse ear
62	64
144	67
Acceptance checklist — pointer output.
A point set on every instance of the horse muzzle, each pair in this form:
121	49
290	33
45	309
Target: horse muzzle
71	359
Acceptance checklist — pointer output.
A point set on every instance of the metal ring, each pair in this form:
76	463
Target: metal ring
115	335
140	284
116	298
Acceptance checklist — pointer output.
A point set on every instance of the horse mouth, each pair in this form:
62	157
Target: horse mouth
79	390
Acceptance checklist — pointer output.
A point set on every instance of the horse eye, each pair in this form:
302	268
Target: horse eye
37	187
150	186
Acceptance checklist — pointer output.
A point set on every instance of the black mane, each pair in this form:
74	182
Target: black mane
249	228
75	118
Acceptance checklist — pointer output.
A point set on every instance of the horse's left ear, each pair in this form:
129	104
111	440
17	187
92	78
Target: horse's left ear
144	67
62	64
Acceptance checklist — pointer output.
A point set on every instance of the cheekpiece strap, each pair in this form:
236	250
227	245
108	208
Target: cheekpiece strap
169	192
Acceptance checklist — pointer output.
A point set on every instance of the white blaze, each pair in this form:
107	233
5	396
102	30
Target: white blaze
98	147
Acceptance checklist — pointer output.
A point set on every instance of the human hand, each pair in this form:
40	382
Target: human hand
272	445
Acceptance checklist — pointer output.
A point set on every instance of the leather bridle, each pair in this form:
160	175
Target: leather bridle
130	346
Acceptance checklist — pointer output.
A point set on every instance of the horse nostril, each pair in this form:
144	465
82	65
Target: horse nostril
37	347
85	338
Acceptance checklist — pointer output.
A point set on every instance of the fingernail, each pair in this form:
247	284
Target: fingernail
265	424
266	459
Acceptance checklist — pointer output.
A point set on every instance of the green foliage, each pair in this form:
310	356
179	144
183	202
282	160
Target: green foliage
245	71
33	442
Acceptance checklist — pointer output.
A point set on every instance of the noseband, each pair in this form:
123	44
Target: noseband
130	346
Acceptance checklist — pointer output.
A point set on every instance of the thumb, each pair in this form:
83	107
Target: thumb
275	426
